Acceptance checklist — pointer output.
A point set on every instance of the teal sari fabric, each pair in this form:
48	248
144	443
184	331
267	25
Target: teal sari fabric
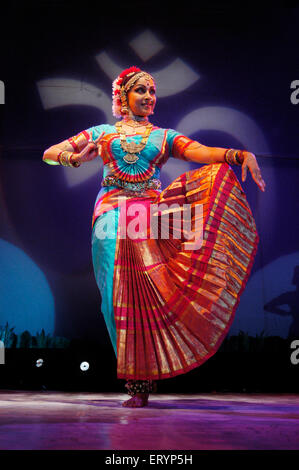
103	255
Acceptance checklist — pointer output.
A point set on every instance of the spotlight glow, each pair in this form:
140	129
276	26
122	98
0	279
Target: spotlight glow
39	363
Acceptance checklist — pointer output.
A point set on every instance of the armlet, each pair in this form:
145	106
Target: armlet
180	144
78	142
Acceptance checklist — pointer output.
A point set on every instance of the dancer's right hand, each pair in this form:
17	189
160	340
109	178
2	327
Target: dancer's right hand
90	152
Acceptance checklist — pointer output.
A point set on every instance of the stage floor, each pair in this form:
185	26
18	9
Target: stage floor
63	420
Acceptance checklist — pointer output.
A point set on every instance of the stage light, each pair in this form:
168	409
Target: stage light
21	278
39	363
84	366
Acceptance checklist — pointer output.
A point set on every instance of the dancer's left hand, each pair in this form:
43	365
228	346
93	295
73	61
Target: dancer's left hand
251	163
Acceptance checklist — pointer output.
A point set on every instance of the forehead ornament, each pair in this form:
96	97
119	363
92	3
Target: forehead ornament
134	79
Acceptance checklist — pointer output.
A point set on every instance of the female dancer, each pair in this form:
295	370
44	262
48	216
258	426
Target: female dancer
167	307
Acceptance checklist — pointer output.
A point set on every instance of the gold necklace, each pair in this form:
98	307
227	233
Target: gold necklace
135	124
131	147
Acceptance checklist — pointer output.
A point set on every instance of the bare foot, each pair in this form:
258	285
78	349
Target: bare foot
137	401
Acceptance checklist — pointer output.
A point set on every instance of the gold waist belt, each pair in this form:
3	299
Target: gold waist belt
139	186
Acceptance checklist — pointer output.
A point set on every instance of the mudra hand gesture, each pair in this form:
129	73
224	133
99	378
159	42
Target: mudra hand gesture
90	152
251	163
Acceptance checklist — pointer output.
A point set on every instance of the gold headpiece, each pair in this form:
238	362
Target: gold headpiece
134	79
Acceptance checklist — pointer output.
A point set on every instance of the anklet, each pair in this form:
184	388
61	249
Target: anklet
139	386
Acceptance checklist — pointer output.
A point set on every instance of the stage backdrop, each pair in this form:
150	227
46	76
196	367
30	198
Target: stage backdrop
224	77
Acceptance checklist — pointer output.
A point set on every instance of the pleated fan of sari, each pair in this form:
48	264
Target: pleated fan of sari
173	305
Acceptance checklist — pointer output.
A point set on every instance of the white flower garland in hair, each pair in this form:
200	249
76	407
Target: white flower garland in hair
116	90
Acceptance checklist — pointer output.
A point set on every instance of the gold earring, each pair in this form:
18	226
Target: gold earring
124	104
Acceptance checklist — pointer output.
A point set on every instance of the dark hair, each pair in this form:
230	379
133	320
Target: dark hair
127	78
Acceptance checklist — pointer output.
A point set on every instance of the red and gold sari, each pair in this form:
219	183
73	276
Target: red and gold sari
168	308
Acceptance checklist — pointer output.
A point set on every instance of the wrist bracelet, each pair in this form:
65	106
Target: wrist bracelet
64	158
58	157
233	157
239	157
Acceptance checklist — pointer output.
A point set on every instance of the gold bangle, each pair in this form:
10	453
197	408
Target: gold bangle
58	157
229	156
65	159
232	157
239	157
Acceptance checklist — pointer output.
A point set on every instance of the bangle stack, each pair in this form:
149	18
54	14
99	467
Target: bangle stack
234	157
65	159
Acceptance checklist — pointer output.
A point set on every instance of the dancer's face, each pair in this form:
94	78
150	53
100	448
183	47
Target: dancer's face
142	97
